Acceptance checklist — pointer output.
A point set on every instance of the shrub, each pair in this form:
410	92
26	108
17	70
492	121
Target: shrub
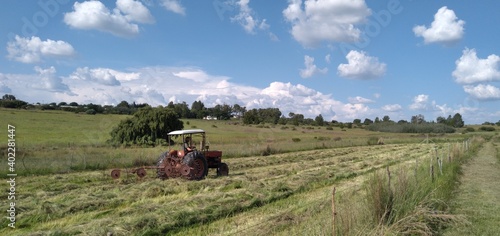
411	128
470	129
295	140
90	112
487	128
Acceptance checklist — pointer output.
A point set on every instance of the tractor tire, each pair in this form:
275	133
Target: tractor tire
198	164
160	172
223	169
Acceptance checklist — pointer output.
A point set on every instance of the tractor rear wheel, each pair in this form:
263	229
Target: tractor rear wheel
160	171
223	169
198	164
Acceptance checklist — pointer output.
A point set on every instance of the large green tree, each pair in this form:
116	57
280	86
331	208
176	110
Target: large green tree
148	126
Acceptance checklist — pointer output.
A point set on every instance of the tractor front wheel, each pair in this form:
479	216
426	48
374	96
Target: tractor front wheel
223	169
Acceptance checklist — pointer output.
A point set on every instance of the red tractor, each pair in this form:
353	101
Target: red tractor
188	161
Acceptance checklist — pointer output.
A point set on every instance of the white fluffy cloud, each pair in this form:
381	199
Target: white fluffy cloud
325	20
420	102
100	75
247	18
446	28
470	69
91	15
173	6
311	69
49	81
361	66
159	85
3	87
483	92
392	107
32	50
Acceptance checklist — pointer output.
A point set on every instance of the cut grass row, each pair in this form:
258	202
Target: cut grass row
62	203
54	142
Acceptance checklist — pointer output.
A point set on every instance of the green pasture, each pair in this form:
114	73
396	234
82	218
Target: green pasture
60	142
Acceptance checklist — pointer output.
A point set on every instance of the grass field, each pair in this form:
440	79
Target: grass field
64	187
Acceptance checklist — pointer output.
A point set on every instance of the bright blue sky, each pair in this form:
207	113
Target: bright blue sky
342	59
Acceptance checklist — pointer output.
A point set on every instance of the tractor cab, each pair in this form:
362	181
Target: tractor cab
189	140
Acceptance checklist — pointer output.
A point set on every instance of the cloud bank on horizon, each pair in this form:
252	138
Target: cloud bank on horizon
171	50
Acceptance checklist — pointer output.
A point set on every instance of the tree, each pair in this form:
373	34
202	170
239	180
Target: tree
441	120
356	121
10	101
148	126
221	112
123	104
9	97
239	110
457	121
198	109
386	119
251	117
296	119
418	119
367	121
182	110
319	120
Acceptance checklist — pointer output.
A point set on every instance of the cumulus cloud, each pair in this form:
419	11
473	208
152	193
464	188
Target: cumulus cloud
100	75
359	99
361	66
325	20
311	69
159	85
90	15
420	102
446	28
3	87
134	11
483	92
392	107
309	102
247	18
471	69
32	50
173	6
49	81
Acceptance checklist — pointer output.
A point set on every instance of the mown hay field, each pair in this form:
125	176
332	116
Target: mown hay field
64	186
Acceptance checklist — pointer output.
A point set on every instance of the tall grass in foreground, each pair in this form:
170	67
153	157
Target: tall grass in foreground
407	200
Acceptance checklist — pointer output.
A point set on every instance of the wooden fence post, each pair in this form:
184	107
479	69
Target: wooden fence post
432	173
333	211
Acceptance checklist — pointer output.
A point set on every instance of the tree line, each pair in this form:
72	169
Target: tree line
198	110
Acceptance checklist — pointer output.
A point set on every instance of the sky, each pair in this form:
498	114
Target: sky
343	59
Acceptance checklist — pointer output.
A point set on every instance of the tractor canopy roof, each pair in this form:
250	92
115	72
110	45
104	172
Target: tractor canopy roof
187	131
